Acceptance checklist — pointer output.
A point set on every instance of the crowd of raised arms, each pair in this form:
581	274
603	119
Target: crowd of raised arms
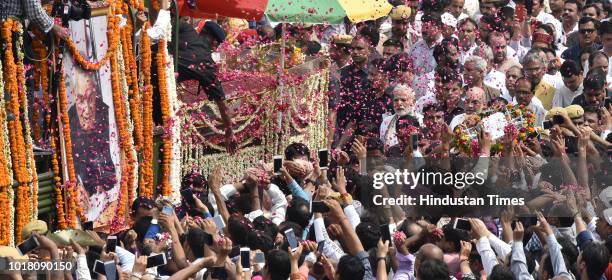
513	93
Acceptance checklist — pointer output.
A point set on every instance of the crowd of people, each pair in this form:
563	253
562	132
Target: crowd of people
514	91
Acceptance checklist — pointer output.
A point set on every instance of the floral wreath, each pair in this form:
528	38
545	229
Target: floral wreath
521	123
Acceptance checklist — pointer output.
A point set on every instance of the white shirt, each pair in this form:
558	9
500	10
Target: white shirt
554	80
457	120
495	79
465	54
565	96
516	52
162	29
424	84
565	34
392	139
422	57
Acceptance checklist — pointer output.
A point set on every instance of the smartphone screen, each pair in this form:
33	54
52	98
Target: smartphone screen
462	224
88	225
278	163
415	141
187	194
111	244
219	222
110	270
218	273
28	245
168	210
260	259
385	232
323	158
548	125
520	12
319	207
528	220
153	230
99	267
558	119
235	252
245	259
156	260
321	247
607	102
293	243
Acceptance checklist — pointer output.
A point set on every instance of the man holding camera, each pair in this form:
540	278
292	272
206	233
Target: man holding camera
33	11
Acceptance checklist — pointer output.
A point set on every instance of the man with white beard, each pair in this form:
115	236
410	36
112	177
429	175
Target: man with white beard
403	104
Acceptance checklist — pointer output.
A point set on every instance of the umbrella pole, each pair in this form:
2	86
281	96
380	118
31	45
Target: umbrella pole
281	89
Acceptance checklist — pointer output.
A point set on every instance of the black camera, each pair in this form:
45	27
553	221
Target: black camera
71	10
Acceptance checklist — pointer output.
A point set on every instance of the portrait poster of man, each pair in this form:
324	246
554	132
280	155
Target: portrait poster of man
95	147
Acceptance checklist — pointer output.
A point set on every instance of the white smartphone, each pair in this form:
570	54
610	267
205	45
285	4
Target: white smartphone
219	222
156	260
245	258
260	259
278	163
323	159
293	243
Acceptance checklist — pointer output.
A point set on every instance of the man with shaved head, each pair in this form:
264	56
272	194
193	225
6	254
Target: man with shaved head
427	252
474	102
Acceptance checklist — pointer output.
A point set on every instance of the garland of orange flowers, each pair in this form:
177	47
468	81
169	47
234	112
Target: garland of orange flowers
6	203
133	100
132	79
112	27
57	182
30	168
124	144
18	153
146	176
165	110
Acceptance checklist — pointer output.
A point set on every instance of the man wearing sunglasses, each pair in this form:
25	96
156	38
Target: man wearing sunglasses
587	29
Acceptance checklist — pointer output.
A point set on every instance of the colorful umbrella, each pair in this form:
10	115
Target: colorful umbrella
307	11
326	11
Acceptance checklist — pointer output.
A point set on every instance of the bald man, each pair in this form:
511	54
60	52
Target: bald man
474	102
427	252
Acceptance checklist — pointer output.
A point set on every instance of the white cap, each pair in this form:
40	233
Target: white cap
449	19
606	196
607	214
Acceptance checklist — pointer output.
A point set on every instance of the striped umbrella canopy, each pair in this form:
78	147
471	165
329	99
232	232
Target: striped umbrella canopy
305	11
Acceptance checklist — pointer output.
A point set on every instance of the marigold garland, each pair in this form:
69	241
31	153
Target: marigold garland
146	177
18	150
132	79
6	209
127	165
57	182
29	152
165	110
112	28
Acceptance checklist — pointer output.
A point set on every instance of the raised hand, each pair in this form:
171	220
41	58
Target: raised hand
140	265
479	229
340	181
466	250
382	249
519	232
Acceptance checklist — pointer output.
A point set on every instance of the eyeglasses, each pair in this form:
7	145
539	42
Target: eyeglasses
586	31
